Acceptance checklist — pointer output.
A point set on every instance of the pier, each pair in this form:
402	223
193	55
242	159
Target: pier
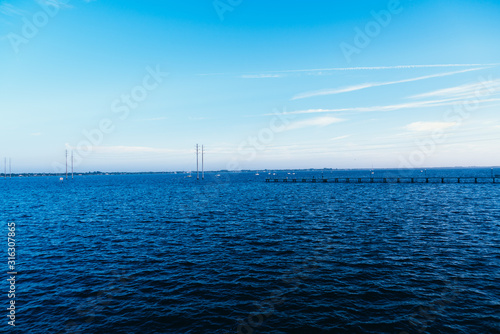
434	180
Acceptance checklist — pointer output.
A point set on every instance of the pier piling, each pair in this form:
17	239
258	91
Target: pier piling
397	180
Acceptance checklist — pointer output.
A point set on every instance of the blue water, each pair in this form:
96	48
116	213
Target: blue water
233	254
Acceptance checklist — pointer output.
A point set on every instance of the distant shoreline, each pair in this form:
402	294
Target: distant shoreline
96	173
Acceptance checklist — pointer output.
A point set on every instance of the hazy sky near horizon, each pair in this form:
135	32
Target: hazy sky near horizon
133	86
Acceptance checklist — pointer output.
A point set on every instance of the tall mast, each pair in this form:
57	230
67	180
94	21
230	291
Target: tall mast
197	170
66	164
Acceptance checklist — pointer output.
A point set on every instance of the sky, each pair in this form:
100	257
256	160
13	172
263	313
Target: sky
135	85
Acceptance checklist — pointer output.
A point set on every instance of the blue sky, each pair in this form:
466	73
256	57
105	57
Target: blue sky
133	86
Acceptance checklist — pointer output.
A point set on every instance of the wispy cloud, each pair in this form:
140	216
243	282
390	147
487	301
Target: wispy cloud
319	71
56	3
429	126
260	76
11	10
393	107
155	119
339	138
335	91
197	118
314	122
377	84
134	149
36	134
396	67
464	91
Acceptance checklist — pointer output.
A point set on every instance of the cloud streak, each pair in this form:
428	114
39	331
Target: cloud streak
314	122
339	138
155	119
396	67
463	91
377	84
134	150
393	107
429	126
273	74
11	10
261	76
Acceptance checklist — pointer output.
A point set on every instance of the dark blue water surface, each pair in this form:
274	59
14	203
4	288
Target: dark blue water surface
233	254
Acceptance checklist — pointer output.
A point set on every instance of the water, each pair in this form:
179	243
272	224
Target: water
233	254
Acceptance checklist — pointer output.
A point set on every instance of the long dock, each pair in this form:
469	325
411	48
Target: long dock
447	179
